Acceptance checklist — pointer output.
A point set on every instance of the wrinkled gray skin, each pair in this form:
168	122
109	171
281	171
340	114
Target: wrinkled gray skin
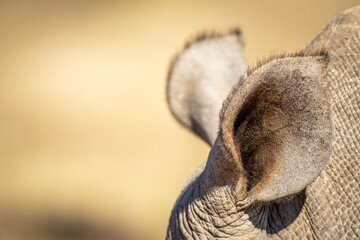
285	157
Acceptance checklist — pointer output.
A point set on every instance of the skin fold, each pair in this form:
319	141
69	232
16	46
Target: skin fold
284	136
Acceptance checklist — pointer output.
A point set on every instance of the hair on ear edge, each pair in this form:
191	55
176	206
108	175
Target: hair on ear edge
206	35
322	52
323	60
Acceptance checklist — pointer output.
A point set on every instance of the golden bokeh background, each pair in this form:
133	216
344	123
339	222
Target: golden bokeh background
88	148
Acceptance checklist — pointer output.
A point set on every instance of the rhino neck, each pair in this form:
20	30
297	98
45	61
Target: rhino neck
212	212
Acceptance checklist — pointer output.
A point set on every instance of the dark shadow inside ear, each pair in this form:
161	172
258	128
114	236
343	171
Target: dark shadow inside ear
273	217
252	169
254	142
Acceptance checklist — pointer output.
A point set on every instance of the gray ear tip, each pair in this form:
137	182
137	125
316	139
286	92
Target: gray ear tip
236	31
207	35
202	36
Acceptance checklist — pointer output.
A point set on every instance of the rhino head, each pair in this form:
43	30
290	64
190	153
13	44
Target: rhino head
283	136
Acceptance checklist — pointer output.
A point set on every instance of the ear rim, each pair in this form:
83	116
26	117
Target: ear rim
230	112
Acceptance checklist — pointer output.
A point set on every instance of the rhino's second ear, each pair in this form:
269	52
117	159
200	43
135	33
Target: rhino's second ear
201	77
276	130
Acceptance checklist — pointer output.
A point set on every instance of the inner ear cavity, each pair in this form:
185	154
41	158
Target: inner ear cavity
257	133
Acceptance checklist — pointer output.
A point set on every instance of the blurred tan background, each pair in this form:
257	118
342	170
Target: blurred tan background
88	148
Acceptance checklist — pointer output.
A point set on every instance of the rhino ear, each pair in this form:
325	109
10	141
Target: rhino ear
275	130
200	78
